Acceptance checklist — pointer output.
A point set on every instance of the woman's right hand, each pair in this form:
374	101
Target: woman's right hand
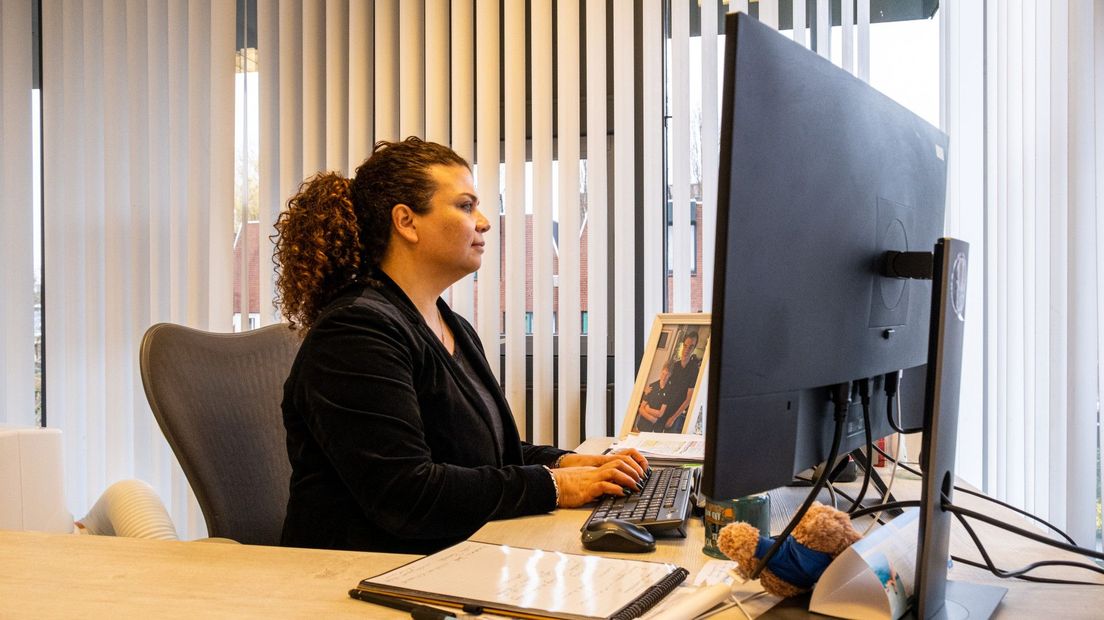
579	485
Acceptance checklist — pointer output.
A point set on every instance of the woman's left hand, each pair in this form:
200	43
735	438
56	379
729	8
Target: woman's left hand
629	460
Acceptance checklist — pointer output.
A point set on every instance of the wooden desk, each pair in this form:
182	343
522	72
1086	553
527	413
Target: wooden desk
65	576
72	576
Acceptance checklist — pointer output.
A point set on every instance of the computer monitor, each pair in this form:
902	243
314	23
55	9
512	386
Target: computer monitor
820	175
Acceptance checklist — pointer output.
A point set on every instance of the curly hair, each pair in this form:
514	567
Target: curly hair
335	230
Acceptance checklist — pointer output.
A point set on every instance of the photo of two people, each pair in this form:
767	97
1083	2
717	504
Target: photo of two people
667	387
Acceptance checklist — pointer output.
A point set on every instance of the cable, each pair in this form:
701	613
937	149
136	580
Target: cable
1022	532
1021	573
998	502
892	477
1068	538
864	398
892	384
831	486
832	491
842	398
905	503
1032	578
915	472
832	494
961	514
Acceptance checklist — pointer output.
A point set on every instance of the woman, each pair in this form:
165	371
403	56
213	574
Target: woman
399	437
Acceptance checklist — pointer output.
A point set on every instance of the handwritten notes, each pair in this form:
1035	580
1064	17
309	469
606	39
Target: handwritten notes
512	577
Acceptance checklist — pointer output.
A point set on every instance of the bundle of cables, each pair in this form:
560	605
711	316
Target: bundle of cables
841	396
961	514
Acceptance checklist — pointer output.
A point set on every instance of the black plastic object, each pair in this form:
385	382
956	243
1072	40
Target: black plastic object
618	536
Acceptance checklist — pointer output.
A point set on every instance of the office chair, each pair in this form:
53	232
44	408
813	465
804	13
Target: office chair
217	400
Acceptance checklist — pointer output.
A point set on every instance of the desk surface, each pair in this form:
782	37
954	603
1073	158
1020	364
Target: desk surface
56	575
51	575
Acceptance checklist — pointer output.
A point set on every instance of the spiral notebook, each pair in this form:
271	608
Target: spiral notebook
530	583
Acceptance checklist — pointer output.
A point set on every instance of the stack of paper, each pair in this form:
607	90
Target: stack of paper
664	447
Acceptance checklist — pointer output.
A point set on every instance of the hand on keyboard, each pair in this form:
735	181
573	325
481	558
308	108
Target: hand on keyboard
634	462
662	506
579	485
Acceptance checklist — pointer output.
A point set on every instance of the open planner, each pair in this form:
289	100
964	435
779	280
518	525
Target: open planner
530	583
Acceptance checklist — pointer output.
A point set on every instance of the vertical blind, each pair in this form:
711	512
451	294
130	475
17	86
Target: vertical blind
138	145
515	271
17	351
433	68
569	282
1043	258
623	210
540	129
457	110
597	216
710	143
488	132
681	125
653	197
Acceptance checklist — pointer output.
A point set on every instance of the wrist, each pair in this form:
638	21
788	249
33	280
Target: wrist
555	483
559	460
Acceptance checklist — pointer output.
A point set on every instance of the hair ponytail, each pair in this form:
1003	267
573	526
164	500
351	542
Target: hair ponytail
317	247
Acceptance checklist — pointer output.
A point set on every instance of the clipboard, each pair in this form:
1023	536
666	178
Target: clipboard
530	583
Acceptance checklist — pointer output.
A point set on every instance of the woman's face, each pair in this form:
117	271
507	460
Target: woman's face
450	234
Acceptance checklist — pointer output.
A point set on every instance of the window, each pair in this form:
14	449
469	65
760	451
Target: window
695	258
247	226
501	233
36	205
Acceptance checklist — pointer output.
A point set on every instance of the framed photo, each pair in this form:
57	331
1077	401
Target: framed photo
669	393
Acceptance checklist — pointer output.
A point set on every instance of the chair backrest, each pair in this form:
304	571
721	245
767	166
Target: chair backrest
217	400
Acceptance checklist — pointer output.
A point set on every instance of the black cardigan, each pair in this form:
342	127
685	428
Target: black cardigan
391	448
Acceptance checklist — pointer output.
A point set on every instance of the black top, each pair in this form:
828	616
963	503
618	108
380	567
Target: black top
682	378
392	447
655	397
469	368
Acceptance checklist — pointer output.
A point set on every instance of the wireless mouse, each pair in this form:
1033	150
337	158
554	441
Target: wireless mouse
618	536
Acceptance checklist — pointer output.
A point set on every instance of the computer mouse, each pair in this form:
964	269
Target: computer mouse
617	535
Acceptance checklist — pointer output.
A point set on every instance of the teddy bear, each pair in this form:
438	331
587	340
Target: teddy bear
821	535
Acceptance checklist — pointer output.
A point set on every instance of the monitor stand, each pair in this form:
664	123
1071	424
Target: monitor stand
934	596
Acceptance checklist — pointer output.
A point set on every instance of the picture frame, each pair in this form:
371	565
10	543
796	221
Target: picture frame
652	406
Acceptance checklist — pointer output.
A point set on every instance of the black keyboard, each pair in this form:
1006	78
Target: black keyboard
661	508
